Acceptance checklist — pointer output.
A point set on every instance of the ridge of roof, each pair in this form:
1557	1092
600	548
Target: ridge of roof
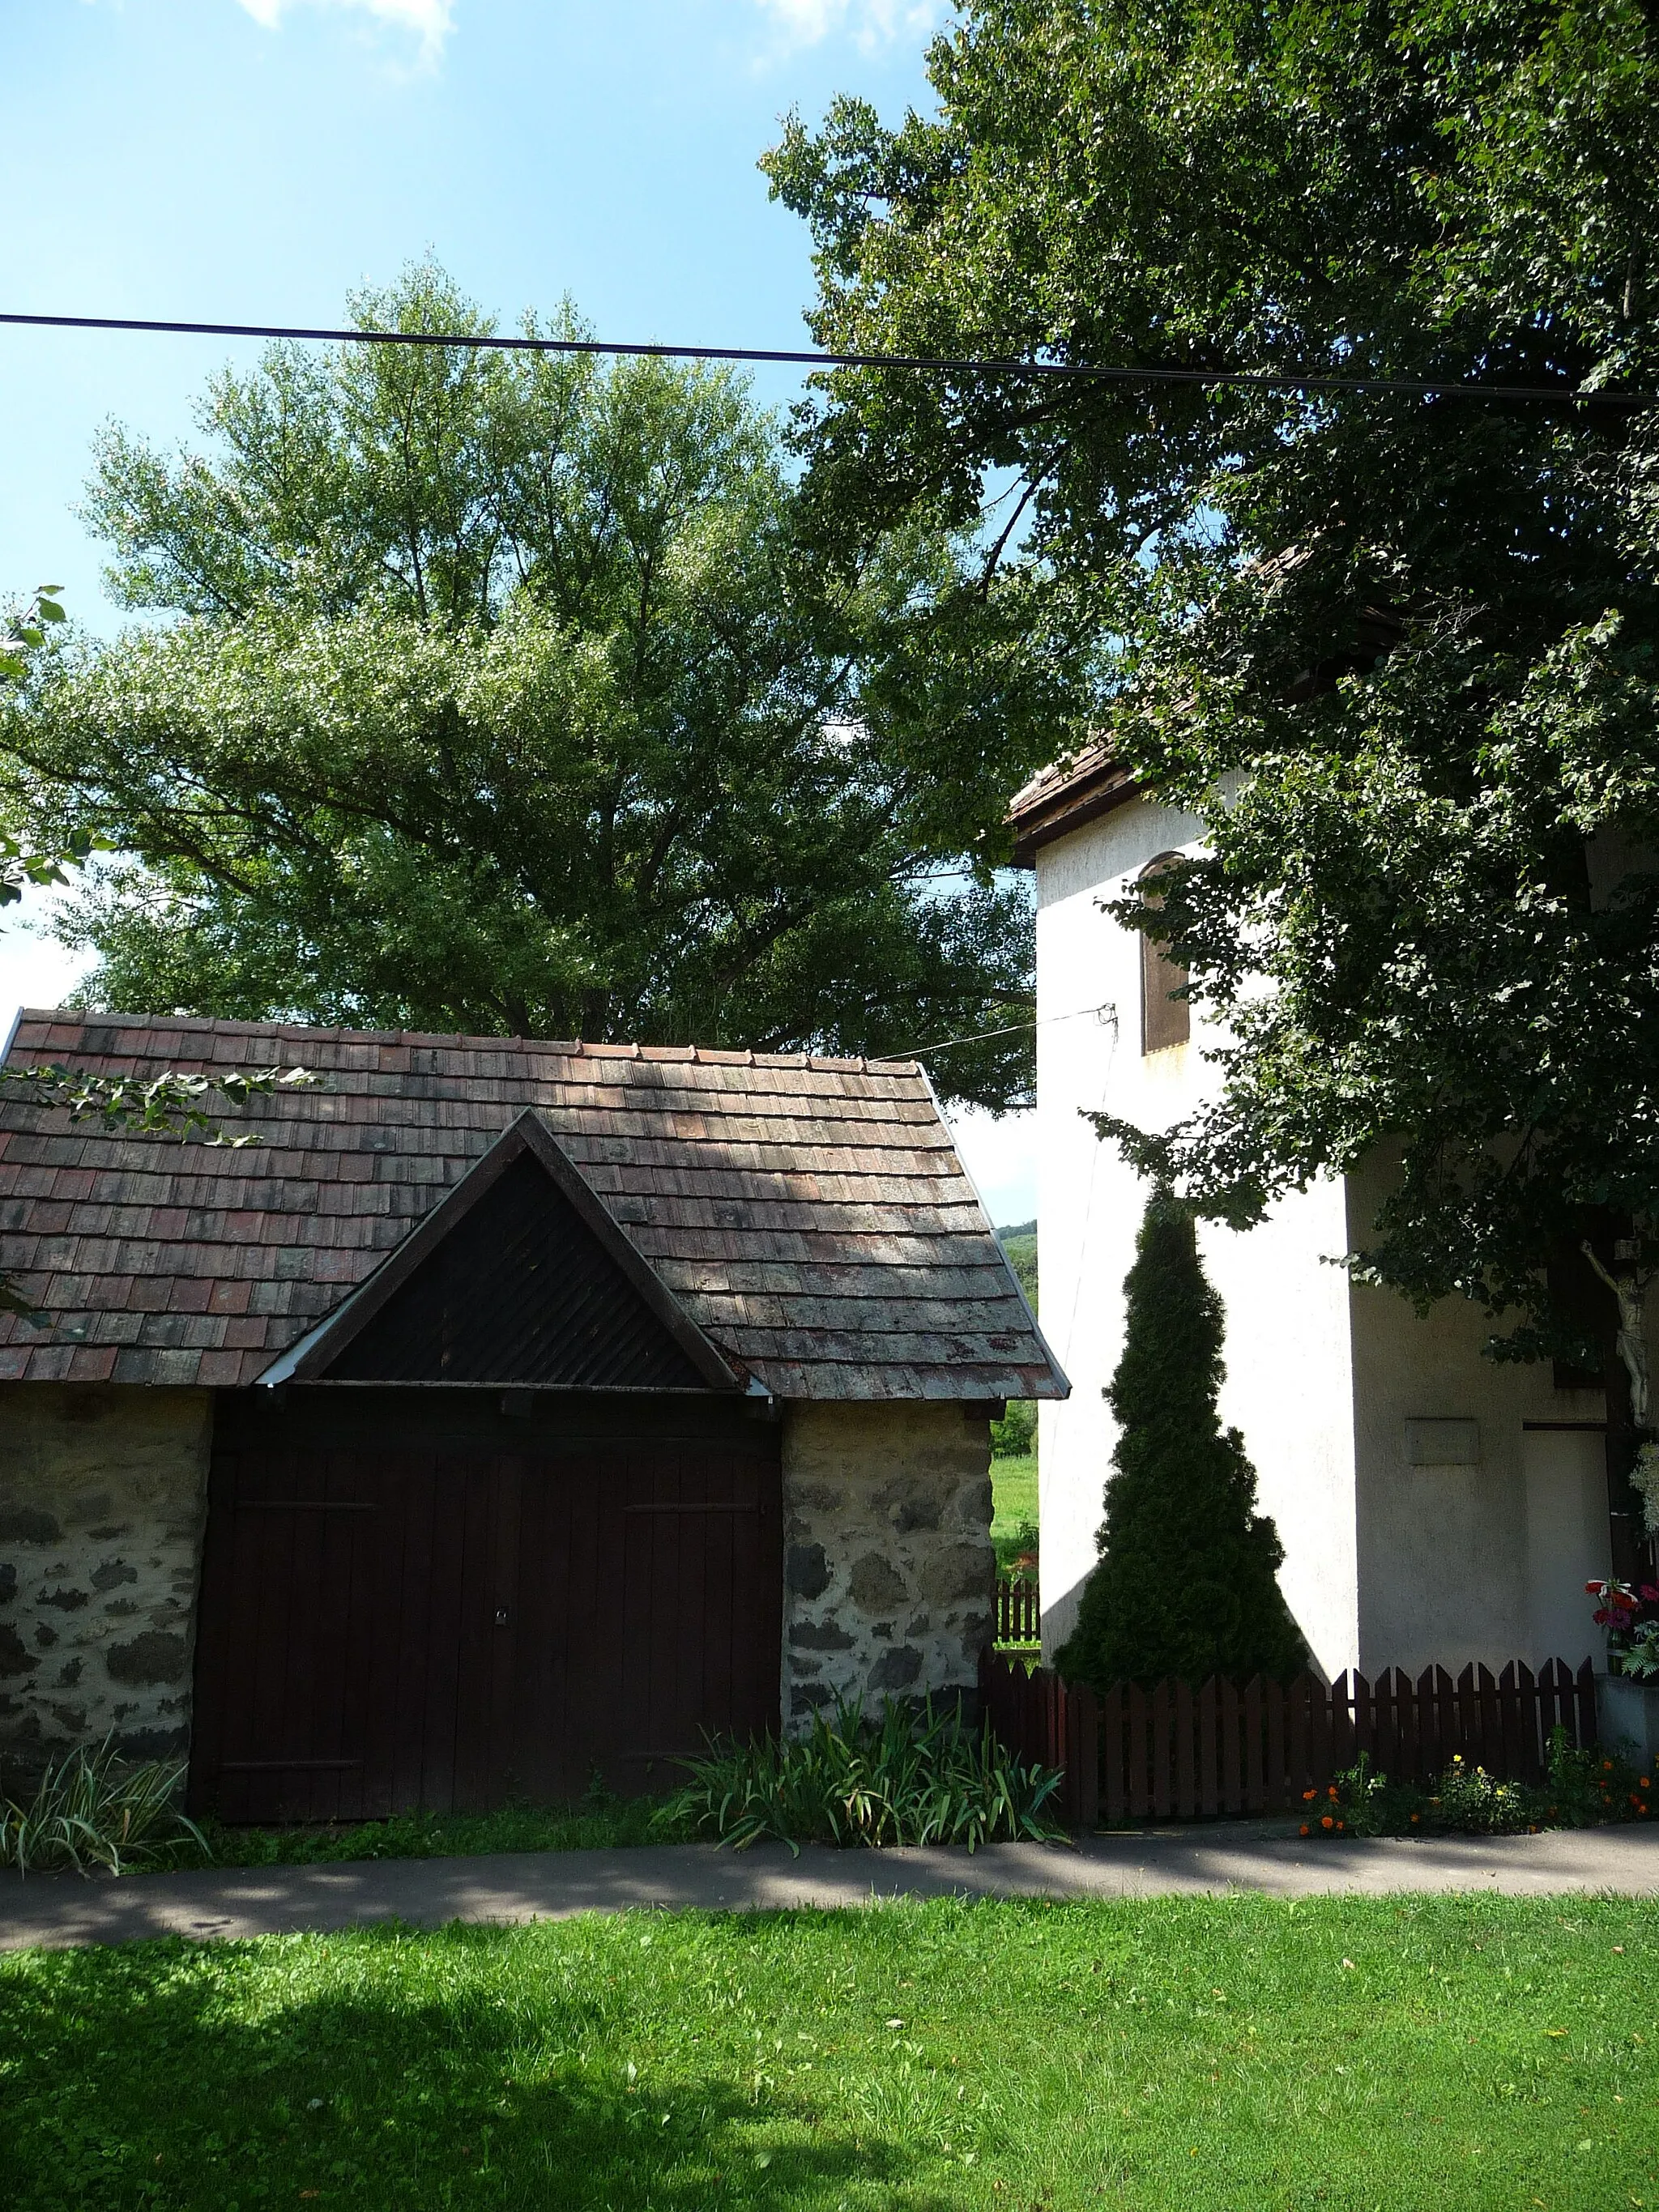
461	1040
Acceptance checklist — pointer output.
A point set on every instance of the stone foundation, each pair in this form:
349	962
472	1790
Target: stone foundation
103	1498
889	1574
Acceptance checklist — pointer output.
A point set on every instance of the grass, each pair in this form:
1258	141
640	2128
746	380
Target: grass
1216	2055
1013	1507
591	1823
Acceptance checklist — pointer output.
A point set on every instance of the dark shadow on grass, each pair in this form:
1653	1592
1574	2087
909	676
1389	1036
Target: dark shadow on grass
128	2082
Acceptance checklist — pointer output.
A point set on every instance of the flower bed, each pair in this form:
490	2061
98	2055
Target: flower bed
1586	1787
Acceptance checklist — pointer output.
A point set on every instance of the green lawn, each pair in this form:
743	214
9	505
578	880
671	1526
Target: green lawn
1013	1502
1415	2055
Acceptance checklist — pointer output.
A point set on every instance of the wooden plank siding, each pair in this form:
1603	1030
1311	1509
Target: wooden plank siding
1177	1750
458	1611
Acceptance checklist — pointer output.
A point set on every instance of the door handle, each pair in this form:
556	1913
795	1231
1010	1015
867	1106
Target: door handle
501	1616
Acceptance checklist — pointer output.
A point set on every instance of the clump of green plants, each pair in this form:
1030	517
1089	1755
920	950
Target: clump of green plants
1590	1785
94	1811
1586	1786
910	1778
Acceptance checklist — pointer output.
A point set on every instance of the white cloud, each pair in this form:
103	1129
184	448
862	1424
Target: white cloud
870	23
429	21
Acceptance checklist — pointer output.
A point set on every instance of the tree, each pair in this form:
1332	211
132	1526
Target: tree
170	1104
1187	1585
1395	648
507	693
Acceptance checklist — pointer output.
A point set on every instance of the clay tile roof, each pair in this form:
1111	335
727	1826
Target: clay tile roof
810	1214
1062	797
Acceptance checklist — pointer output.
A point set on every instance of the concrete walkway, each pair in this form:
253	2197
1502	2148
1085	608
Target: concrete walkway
61	1910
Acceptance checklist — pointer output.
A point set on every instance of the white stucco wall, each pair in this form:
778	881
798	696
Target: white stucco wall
1289	1384
1386	1563
1482	1561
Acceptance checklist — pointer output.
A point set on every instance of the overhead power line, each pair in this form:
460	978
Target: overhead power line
1558	395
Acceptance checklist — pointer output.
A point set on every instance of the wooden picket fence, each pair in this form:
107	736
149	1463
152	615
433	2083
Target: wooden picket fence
1179	1751
1020	1611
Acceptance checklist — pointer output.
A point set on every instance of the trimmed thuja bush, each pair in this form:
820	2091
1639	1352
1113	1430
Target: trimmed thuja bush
910	1778
1187	1581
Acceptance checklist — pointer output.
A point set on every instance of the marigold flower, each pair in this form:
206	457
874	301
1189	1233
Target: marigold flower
1305	1827
1308	1797
1331	1792
1326	1821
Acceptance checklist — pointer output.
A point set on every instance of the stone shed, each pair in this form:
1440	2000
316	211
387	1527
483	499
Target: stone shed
513	1412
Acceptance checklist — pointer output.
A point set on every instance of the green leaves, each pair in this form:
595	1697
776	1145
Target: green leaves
1398	653
26	630
517	693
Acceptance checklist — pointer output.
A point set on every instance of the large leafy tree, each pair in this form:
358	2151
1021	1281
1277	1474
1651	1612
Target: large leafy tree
506	692
1397	648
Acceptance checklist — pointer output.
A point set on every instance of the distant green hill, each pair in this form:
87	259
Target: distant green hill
1020	1244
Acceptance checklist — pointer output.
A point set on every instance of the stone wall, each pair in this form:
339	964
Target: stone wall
103	1497
889	1574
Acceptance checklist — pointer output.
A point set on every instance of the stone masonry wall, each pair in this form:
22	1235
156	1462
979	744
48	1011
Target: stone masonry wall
103	1498
889	1574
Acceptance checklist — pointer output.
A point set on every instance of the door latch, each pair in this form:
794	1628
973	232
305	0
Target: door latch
501	1616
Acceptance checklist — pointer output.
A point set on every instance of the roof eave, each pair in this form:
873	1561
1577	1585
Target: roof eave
1096	791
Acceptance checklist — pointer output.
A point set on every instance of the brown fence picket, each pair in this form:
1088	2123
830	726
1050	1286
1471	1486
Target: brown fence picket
1232	1768
1132	1751
1280	1793
1186	1772
1112	1752
1209	1797
1018	1611
1255	1780
1139	1804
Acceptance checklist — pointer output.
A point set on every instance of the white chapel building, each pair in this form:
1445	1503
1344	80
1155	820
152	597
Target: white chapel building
1434	1507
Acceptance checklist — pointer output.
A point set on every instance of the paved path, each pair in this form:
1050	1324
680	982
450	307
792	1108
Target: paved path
60	1910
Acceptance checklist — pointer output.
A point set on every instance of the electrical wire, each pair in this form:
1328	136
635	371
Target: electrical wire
1559	395
979	1036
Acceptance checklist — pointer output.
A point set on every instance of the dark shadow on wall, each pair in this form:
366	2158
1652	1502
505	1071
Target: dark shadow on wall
428	2075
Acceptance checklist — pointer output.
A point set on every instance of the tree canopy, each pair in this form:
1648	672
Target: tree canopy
509	693
1396	649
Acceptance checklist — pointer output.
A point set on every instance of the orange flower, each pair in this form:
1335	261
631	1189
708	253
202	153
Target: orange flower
1326	1821
1308	1797
1417	1816
1305	1827
1331	1792
1341	1825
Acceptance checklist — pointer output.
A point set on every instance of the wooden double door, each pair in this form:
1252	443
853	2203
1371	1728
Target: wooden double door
452	1608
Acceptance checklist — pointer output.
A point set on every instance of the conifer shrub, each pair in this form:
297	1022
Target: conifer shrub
1187	1581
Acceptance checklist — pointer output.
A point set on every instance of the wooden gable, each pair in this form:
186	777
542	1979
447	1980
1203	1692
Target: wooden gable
519	1280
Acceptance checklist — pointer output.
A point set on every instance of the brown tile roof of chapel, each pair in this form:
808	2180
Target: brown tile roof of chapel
1066	795
811	1215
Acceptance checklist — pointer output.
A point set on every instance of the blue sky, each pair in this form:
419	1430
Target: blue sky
253	160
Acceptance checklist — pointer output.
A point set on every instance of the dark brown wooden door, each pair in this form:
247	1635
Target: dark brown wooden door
391	1625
